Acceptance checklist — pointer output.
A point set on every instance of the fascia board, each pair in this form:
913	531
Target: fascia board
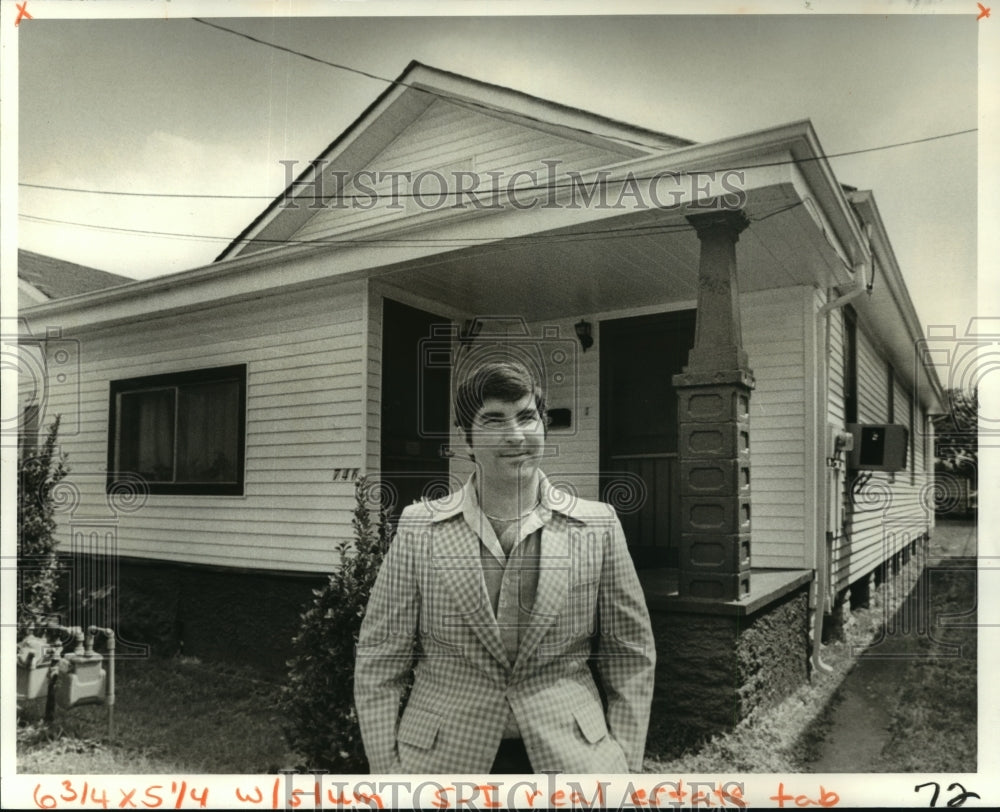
32	292
769	149
811	161
892	277
534	111
289	266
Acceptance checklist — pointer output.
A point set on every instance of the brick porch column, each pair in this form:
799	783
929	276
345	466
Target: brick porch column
713	425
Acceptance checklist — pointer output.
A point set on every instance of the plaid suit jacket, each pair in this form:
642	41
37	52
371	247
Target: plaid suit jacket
582	683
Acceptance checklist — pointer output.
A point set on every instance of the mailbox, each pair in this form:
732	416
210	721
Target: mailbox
878	447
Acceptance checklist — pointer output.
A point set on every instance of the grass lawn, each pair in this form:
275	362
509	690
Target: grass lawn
934	726
171	716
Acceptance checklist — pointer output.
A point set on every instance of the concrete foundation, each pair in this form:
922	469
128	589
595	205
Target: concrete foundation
215	614
718	661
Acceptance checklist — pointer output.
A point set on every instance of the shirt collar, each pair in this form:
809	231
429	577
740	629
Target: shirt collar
465	501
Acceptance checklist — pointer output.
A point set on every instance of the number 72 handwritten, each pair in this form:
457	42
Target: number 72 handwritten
958	800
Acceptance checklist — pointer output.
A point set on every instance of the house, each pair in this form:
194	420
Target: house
42	278
716	325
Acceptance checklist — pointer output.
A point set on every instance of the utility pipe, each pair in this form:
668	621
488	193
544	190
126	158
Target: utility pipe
110	693
824	558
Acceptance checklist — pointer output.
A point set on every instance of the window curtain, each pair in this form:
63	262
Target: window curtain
206	427
147	434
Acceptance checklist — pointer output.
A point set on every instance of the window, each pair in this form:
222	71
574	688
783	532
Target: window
850	365
182	433
891	396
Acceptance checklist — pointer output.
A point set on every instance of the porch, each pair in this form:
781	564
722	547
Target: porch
659	318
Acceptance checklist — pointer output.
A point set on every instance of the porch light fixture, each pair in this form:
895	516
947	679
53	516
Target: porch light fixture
583	329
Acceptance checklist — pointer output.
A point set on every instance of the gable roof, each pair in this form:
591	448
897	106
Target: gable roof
823	241
57	279
403	102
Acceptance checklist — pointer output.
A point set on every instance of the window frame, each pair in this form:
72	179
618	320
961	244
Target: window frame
175	380
891	394
850	366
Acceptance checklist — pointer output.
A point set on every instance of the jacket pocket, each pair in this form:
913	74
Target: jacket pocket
418	728
590	719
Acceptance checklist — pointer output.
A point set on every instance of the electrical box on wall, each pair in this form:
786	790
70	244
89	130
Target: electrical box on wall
878	447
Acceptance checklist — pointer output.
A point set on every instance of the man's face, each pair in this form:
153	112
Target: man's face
508	438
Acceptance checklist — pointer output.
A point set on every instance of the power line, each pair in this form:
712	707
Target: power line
526	188
407	240
143	194
436	93
625	231
374	196
461	102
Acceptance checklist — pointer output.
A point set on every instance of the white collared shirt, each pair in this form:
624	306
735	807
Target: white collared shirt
511	579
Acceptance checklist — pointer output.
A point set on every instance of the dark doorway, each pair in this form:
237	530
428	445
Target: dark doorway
639	357
415	402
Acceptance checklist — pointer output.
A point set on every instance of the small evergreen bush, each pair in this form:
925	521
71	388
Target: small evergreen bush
39	471
317	703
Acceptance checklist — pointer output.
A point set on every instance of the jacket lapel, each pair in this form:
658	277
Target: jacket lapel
455	558
553	584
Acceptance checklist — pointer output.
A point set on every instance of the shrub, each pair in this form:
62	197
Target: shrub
39	471
317	703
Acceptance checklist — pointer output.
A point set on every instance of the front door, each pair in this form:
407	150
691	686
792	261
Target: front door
639	357
415	403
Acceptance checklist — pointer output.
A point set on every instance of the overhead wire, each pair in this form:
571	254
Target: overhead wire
475	104
589	234
525	188
384	240
332	199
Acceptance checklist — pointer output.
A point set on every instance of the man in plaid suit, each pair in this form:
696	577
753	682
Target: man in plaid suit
516	608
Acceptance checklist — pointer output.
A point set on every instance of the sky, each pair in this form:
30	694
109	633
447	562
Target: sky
173	106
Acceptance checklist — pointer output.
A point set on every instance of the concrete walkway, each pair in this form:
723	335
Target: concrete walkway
869	694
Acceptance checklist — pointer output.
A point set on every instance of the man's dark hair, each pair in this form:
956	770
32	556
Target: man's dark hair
508	381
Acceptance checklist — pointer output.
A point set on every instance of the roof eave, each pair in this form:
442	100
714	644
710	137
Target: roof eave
864	202
418	78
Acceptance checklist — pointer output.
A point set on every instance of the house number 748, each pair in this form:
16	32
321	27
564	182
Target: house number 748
958	800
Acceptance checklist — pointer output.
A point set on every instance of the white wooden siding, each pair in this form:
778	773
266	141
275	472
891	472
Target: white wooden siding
774	336
835	366
373	382
575	452
447	137
304	400
890	510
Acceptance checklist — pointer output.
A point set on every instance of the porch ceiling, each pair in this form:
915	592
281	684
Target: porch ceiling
638	259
